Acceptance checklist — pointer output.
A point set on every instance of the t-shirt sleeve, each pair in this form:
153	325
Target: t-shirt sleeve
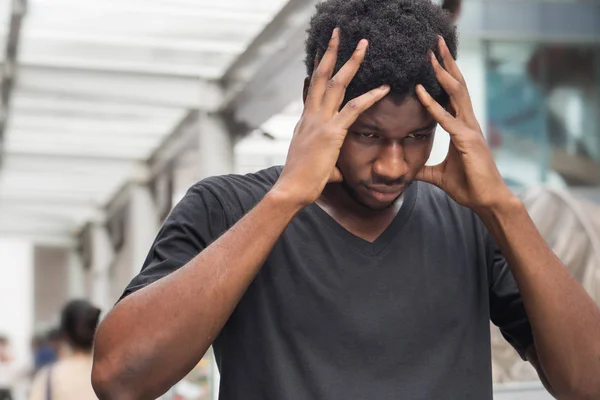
507	310
195	222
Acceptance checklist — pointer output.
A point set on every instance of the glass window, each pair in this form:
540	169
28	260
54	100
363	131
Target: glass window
541	103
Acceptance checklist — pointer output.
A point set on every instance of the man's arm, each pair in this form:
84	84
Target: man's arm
531	356
565	321
153	337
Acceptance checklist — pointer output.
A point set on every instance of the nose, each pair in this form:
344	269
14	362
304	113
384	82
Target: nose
391	165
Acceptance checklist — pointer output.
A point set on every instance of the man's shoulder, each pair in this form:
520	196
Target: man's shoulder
234	190
432	194
259	181
435	204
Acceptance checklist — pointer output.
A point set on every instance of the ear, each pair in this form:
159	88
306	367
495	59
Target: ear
305	90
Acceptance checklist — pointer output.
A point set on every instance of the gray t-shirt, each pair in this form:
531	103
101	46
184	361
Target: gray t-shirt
331	316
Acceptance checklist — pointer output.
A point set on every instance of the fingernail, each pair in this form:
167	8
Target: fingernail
384	87
441	39
335	33
362	44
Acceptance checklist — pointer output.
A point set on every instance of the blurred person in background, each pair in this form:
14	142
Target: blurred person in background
70	377
7	369
46	349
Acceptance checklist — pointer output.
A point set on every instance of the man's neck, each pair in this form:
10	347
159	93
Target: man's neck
361	221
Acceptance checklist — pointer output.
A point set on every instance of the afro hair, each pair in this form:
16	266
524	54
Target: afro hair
400	34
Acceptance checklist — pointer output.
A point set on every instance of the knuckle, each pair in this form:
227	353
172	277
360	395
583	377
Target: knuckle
455	86
356	57
353	104
332	83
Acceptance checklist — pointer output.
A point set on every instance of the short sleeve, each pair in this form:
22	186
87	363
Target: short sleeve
195	222
507	310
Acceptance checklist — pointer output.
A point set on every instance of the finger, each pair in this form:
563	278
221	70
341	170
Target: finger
346	117
456	91
320	76
431	174
449	62
336	88
336	175
441	115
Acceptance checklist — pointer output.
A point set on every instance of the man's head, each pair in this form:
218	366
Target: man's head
390	142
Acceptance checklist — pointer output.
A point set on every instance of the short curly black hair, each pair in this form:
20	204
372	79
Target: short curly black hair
400	34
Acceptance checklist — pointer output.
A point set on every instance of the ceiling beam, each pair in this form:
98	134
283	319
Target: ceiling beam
120	66
92	198
7	79
39	202
119	87
121	40
26	158
23	102
269	74
49	238
146	10
41	210
59	150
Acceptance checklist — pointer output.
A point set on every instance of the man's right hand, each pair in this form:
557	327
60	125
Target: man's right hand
320	133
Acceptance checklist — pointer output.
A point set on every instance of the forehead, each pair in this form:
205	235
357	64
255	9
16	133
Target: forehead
387	115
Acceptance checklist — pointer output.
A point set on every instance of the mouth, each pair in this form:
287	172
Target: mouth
385	193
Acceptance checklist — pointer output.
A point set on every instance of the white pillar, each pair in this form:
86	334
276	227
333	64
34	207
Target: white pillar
102	257
51	274
215	146
77	284
142	225
16	295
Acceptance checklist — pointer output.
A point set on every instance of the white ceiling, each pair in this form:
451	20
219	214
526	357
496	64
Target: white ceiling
100	84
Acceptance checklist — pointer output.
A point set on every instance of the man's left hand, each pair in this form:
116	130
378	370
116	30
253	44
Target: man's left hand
468	174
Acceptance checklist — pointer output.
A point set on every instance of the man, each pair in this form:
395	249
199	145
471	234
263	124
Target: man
348	274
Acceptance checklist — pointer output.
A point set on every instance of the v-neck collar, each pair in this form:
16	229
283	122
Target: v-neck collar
373	248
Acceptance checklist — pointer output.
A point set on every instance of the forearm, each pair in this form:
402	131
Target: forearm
154	337
565	321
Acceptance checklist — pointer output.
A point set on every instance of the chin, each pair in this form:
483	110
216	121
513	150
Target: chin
365	199
376	205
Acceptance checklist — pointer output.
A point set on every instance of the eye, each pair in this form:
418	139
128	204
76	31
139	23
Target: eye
365	135
419	136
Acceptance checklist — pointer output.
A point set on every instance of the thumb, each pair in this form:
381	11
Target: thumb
431	174
335	176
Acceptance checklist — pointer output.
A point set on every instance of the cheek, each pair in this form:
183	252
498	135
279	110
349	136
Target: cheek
354	160
417	155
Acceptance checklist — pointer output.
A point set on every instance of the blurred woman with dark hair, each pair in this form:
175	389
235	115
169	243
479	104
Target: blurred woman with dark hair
70	377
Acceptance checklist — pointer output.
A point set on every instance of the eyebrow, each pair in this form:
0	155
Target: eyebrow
375	128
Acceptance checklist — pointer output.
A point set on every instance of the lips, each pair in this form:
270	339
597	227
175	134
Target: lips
384	189
384	193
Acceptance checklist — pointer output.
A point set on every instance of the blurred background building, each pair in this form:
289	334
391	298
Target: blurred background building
111	109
